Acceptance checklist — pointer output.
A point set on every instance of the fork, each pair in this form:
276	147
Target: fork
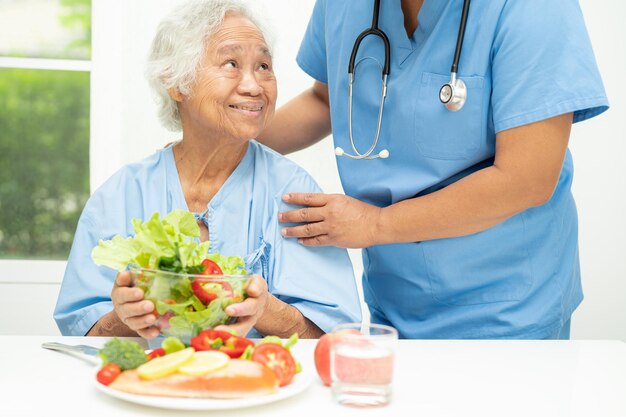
87	353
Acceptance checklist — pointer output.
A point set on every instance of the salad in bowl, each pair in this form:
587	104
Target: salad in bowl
189	286
187	303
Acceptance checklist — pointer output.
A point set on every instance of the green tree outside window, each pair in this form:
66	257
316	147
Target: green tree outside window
44	150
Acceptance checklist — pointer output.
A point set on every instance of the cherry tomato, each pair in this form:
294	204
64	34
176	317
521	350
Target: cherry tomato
156	353
277	358
207	295
211	268
230	344
108	373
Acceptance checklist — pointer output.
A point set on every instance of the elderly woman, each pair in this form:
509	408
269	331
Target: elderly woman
211	66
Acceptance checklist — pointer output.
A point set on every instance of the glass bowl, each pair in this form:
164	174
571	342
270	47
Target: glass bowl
185	304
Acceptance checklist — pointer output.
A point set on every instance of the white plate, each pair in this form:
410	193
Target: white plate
300	382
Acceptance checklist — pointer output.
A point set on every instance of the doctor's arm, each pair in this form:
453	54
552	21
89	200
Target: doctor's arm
302	122
527	166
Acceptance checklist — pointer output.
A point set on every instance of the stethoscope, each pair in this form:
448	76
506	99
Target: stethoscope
453	94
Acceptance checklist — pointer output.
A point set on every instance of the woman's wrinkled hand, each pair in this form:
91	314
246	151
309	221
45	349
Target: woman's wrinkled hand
250	310
131	308
331	220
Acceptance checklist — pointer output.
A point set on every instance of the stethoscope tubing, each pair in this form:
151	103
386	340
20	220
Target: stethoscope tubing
459	38
452	94
372	31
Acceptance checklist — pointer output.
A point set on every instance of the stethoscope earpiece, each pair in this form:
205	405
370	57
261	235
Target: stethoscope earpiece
384	154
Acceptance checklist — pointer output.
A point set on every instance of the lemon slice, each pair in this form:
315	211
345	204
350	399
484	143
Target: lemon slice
164	365
204	362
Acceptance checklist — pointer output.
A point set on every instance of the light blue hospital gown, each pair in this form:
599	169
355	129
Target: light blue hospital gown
242	220
522	61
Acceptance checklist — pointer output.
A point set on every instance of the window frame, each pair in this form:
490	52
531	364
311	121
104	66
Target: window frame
40	271
12	271
45	64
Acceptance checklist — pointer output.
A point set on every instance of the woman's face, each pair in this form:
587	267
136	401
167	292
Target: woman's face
234	94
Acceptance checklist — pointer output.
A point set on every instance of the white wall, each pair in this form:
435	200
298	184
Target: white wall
124	128
598	147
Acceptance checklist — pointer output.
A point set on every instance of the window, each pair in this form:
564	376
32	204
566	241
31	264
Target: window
45	51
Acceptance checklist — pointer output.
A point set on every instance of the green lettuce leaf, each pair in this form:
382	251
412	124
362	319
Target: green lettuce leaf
168	244
183	223
117	252
230	265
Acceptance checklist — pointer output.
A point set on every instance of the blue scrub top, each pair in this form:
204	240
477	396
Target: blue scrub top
522	61
242	220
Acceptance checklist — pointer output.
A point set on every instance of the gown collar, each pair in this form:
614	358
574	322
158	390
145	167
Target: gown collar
228	188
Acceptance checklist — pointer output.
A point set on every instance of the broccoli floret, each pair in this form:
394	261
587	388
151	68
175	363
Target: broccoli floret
126	354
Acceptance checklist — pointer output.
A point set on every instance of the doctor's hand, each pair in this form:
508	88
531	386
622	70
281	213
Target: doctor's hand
331	220
250	310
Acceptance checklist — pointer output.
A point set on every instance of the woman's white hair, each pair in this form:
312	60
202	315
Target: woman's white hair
179	47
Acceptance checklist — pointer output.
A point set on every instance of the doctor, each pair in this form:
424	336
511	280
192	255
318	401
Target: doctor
454	158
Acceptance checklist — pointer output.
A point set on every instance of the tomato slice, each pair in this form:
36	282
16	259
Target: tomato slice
211	268
230	344
108	373
277	358
156	353
207	295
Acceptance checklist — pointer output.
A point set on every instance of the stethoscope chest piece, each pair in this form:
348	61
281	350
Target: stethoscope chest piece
453	94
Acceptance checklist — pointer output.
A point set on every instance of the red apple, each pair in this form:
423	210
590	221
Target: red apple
322	358
322	354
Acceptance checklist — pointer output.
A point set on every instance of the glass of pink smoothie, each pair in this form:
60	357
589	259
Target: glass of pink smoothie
361	364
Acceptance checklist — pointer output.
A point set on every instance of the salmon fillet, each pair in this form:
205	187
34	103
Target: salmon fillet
239	379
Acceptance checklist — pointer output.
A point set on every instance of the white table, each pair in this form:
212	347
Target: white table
433	378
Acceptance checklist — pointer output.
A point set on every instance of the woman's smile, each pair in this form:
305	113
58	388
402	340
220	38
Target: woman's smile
250	109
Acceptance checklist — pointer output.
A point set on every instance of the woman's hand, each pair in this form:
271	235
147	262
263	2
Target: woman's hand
331	220
250	310
131	309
